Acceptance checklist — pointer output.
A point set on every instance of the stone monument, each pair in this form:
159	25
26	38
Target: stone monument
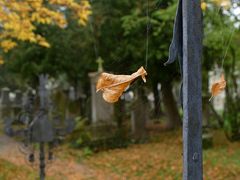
101	111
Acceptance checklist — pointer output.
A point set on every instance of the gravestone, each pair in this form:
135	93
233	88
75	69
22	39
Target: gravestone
5	100
139	115
101	111
72	94
18	98
6	109
17	103
74	106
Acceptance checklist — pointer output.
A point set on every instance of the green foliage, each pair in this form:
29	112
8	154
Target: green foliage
118	139
232	126
80	135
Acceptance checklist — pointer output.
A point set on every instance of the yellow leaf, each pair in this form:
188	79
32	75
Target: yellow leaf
113	86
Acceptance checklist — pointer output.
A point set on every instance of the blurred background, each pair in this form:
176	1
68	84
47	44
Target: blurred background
140	136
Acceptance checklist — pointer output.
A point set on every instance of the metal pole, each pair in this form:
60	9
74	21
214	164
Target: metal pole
42	161
192	96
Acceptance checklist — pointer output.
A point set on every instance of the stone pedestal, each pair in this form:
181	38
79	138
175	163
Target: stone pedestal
101	111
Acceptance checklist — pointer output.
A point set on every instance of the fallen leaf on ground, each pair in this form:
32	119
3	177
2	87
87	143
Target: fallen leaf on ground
113	86
218	87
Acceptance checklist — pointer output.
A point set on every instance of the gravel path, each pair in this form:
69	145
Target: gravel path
58	169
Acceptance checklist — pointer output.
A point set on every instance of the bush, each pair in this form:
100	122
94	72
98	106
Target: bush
80	135
97	138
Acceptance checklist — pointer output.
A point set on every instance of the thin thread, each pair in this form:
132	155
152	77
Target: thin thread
229	43
230	40
147	34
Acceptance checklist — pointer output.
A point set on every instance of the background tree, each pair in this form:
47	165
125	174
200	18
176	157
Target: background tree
19	19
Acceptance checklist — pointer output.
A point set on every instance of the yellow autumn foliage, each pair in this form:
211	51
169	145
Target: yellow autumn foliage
18	19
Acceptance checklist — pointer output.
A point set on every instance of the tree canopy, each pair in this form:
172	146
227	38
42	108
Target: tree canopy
20	19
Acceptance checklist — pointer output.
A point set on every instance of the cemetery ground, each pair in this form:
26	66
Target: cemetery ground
160	158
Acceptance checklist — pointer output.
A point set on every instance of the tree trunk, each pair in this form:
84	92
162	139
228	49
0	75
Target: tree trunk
170	106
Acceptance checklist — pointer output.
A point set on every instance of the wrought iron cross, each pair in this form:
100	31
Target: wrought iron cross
42	125
187	46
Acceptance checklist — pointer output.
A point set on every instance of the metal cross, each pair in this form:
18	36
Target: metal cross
39	128
192	89
187	46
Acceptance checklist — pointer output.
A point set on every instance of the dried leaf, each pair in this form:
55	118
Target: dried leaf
113	86
218	87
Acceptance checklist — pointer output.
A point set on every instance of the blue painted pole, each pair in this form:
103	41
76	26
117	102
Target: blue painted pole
192	89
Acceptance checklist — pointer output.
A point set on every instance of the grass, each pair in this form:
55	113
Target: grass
12	171
161	158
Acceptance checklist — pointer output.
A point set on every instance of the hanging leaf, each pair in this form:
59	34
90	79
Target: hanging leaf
113	86
218	87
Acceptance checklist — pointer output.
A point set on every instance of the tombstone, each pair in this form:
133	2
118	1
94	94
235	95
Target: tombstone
18	98
72	94
101	111
74	107
17	103
6	109
139	115
5	100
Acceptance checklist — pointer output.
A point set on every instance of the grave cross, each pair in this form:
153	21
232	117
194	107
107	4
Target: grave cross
41	125
100	64
187	46
192	89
